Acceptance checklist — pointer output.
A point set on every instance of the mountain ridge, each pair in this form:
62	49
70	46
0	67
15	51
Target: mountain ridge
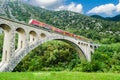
115	18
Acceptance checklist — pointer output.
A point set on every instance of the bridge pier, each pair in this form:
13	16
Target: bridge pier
8	45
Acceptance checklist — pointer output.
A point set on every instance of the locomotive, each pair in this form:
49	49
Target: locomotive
54	29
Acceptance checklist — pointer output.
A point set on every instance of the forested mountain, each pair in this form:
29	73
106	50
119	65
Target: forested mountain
59	55
98	17
115	18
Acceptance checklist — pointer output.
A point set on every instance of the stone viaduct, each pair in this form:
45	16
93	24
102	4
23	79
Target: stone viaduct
30	37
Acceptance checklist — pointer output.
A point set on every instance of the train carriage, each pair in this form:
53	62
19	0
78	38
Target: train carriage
67	33
34	22
54	29
59	30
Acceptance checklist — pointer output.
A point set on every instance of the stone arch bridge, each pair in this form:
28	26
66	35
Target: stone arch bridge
29	37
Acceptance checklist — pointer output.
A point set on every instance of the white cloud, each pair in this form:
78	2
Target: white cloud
48	4
71	7
118	8
56	5
107	9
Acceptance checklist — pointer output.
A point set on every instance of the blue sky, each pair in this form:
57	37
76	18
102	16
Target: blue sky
87	7
89	4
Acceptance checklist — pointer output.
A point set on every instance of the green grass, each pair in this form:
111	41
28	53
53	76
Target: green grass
58	76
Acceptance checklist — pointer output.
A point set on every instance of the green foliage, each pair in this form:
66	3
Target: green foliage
116	59
1	44
93	66
106	58
115	62
55	55
115	68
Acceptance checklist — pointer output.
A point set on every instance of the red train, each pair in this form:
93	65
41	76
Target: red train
54	29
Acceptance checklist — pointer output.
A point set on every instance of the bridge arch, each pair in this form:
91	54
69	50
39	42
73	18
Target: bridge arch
75	45
19	55
42	35
23	53
32	36
5	27
21	38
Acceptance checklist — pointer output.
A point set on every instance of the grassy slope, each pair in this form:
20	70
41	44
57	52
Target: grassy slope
59	76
